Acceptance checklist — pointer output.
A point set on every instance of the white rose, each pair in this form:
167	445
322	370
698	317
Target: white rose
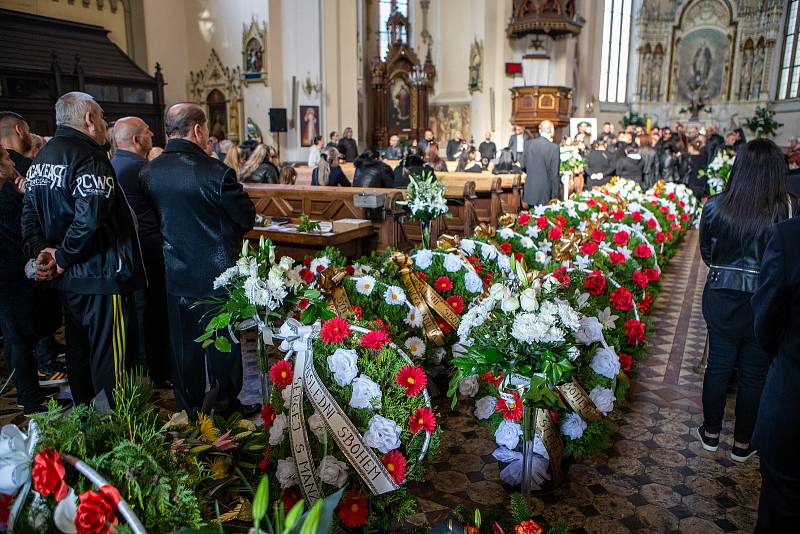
366	393
452	263
485	407
277	430
342	364
489	252
603	398
506	233
510	304
497	291
333	471
468	246
469	386
317	426
590	331
507	434
527	299
573	426
365	285
605	362
423	258
286	394
383	434
287	473
473	282
286	263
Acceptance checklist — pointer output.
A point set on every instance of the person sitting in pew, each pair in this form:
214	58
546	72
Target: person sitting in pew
432	157
288	175
394	150
328	172
371	171
599	164
411	164
259	168
506	164
469	161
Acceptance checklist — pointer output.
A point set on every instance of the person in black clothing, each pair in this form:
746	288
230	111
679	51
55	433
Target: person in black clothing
328	172
698	160
258	168
741	139
599	164
651	172
348	147
334	140
77	222
733	236
371	171
793	177
424	142
488	149
411	164
469	161
134	141
776	310
505	163
394	150
714	141
453	148
631	166
202	211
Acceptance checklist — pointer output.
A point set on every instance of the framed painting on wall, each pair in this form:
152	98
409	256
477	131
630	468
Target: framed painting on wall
309	124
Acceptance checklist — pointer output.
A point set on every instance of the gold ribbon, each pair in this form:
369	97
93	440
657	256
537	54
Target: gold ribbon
485	230
579	401
507	220
424	297
551	439
331	283
566	249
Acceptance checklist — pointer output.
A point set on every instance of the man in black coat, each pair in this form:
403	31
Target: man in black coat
488	149
203	213
77	222
454	146
776	309
714	141
540	162
348	147
517	143
133	139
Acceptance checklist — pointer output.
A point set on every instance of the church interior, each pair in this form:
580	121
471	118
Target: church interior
469	266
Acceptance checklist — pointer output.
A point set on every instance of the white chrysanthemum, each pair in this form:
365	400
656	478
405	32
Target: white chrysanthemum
365	285
473	282
287	473
225	277
569	317
452	263
526	242
423	258
603	398
528	328
506	233
475	316
415	346
573	426
394	295
414	317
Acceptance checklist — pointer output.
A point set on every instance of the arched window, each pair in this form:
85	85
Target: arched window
616	44
789	86
385	10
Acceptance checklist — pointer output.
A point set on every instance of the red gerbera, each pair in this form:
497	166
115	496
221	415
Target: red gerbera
652	275
381	325
589	248
621	299
443	284
267	415
506	248
487	279
640	279
422	419
394	462
306	275
616	257
457	303
358	312
642	251
562	276
476	263
625	361
290	498
637	216
561	220
554	234
524	218
652	224
412	379
621	238
489	377
375	339
423	276
352	510
281	374
510	408
542	222
598	236
595	283
334	330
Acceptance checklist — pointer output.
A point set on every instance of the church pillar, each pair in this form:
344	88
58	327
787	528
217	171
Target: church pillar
339	65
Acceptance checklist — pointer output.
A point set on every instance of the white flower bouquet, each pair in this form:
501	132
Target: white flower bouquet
425	201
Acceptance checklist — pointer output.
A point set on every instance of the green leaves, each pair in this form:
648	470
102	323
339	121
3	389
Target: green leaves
540	394
222	344
261	502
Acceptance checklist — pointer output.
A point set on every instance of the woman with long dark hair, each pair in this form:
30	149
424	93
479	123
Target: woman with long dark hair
733	236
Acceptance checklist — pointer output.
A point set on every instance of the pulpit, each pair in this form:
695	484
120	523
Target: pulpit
531	105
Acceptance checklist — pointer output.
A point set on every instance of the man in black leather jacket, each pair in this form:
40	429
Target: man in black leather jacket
203	213
77	222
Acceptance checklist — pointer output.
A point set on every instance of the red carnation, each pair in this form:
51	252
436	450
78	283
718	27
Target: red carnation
422	419
511	408
320	268
506	248
652	275
663	209
457	303
621	299
645	303
652	224
334	330
634	330
48	475
671	217
660	237
307	262
625	361
394	462
554	234
267	415
350	270
616	257
640	279
375	339
281	374
591	203
675	226
589	248
595	283
443	284
358	312
97	511
603	206
681	204
303	304
562	276
476	264
489	377
542	222
598	235
412	379
290	497
352	510
529	527
637	216
423	276
524	218
619	215
642	251
671	196
621	238
561	221
670	237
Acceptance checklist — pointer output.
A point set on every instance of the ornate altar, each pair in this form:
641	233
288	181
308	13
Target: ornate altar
219	89
400	86
553	17
531	105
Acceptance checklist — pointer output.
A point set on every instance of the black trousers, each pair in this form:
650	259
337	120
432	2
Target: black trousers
152	318
101	331
49	318
17	324
779	503
753	363
191	361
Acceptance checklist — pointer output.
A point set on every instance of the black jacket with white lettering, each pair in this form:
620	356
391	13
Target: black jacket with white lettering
74	204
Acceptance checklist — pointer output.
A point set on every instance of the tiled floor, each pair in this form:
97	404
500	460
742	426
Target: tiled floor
654	479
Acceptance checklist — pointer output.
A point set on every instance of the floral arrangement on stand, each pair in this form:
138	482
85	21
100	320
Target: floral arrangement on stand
719	171
570	163
425	201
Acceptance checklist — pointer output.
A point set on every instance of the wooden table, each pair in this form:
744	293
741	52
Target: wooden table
351	240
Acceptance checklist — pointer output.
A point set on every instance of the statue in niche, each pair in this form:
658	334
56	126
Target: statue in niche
656	65
234	118
475	67
254	56
758	72
701	69
645	73
747	71
252	131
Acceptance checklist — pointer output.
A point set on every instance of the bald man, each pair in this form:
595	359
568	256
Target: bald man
541	161
134	141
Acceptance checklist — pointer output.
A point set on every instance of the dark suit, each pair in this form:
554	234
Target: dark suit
776	308
793	182
599	162
512	145
540	162
203	213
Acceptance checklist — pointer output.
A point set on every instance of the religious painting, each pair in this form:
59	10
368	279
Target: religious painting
445	119
701	56
399	95
475	67
309	124
254	53
218	114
